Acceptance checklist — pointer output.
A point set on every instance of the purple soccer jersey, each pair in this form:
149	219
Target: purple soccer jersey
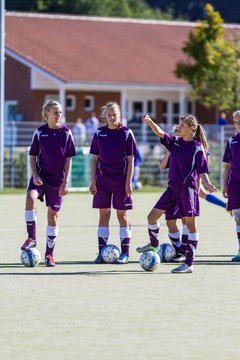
52	147
186	163
232	156
187	160
112	146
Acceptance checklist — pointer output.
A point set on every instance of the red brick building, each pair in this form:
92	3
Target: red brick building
86	61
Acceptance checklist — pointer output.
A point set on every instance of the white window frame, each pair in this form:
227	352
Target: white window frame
56	98
72	107
92	103
7	104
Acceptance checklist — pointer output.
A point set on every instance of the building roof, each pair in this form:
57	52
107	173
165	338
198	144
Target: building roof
104	50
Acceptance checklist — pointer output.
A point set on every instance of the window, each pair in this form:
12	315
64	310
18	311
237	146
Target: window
189	107
89	103
10	112
138	108
70	100
149	107
164	111
175	109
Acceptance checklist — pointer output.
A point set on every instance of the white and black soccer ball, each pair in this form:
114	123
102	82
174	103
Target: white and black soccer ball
166	252
30	258
149	260
110	253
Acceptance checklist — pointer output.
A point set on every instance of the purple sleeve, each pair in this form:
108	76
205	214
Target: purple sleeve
71	150
94	149
168	141
227	157
34	148
201	163
131	145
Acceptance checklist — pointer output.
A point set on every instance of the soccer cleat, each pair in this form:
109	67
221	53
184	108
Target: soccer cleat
179	258
123	259
236	258
183	269
29	244
49	261
99	259
147	247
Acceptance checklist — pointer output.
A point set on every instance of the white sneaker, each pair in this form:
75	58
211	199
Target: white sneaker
147	247
183	269
179	259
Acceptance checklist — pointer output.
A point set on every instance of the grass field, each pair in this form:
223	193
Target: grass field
79	310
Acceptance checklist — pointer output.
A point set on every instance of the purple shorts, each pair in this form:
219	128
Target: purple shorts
173	216
52	197
111	191
179	196
233	197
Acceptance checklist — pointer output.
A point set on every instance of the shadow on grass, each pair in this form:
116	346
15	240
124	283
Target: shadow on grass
101	270
29	272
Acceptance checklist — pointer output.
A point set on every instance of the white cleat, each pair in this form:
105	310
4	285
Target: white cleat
183	269
179	259
145	248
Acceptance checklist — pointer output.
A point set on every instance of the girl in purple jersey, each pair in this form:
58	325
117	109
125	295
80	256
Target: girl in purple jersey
50	160
171	220
231	187
187	163
113	148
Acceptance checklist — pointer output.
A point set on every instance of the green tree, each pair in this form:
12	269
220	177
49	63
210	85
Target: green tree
212	63
116	8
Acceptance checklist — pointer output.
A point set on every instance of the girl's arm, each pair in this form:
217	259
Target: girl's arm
165	161
67	170
93	187
155	128
36	178
225	180
128	185
211	187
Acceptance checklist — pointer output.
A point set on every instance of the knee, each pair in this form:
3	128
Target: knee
53	215
151	219
30	200
105	214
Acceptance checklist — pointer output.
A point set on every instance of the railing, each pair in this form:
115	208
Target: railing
18	136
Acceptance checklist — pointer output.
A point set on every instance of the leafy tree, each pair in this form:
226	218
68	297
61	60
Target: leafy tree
119	8
212	63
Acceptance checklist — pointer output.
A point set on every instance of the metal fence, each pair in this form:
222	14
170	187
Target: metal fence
18	136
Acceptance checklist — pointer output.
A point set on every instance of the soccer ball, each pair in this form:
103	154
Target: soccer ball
110	253
30	258
149	260
166	252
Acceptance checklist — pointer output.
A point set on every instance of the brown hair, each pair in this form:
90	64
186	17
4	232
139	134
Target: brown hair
47	106
198	131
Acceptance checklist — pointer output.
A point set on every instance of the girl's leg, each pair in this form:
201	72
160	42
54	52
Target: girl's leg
125	236
185	233
193	238
236	214
30	218
153	226
153	231
174	235
103	228
103	232
51	236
